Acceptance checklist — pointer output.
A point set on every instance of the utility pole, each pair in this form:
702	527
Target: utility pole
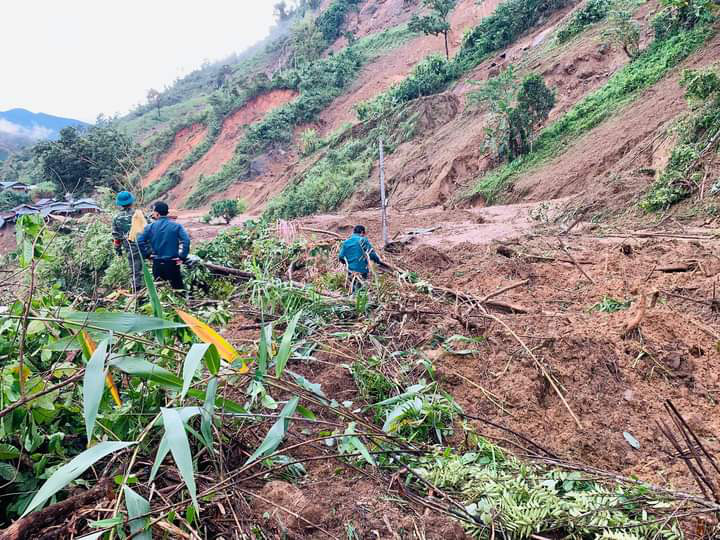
383	203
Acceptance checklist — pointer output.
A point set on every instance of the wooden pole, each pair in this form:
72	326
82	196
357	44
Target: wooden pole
383	202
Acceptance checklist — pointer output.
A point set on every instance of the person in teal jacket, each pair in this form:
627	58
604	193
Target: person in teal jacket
354	253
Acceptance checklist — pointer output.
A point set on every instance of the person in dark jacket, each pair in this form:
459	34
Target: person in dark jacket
167	243
121	225
354	253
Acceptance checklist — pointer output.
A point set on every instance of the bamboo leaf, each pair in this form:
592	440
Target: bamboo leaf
208	411
70	471
180	449
139	367
208	335
93	387
191	364
264	348
88	347
154	300
286	346
123	322
212	360
277	432
137	505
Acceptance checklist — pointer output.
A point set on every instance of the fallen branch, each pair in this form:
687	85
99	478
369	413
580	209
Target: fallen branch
504	289
539	366
633	322
25	528
577	265
678	267
321	231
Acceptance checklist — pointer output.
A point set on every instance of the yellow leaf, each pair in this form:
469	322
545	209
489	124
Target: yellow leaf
25	372
138	225
91	346
208	335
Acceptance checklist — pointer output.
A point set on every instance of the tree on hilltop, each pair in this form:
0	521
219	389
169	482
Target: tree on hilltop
436	22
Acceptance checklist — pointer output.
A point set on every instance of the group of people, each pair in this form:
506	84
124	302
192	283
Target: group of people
163	241
167	244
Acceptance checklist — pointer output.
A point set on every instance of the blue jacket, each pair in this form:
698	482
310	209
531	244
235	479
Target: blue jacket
164	238
355	252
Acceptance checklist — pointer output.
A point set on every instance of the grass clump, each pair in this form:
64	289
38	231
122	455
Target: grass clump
592	12
686	171
608	304
647	69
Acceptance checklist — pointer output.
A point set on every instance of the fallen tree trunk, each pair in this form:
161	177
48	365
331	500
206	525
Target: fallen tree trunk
226	270
27	528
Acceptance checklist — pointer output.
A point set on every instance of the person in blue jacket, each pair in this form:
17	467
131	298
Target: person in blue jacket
354	253
167	243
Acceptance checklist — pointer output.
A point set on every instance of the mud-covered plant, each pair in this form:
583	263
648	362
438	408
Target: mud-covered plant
373	384
623	31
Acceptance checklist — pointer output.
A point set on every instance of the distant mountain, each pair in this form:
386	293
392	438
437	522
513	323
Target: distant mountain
20	127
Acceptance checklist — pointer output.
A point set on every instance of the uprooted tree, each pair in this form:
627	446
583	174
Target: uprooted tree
516	110
436	22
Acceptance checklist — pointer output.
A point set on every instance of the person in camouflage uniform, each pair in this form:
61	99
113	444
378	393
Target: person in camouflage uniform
121	225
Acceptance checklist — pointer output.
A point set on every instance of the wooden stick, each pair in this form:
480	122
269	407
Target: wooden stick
383	202
577	265
504	289
320	231
540	367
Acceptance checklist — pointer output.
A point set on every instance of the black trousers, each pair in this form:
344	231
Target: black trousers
168	270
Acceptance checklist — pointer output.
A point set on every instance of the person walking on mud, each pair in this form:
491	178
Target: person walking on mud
124	238
167	243
354	253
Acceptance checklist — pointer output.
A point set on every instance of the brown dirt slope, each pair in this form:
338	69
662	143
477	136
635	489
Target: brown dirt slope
185	140
230	134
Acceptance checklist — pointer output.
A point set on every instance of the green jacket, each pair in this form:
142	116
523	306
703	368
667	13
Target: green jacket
122	223
355	252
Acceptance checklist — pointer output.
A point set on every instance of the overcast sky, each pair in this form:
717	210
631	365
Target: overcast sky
79	58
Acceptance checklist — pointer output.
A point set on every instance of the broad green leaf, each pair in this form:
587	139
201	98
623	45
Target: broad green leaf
70	471
212	360
264	348
139	367
277	432
8	472
306	413
191	364
118	321
8	451
64	344
208	411
315	388
106	523
358	444
154	300
180	449
88	347
137	505
208	335
286	346
93	384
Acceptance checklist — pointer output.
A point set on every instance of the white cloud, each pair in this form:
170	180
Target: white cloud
88	57
35	133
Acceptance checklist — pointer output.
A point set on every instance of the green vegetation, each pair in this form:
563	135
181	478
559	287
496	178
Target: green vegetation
647	69
698	137
681	15
591	12
10	198
436	22
510	499
432	75
81	161
226	209
516	109
608	304
622	30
